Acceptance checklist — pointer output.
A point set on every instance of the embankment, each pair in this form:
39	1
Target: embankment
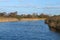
53	22
32	19
4	19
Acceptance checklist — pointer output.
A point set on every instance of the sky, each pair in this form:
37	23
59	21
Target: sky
50	7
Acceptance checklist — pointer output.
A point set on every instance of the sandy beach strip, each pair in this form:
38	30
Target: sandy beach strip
32	19
22	19
8	19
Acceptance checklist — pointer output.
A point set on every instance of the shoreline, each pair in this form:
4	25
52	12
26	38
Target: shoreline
22	19
32	19
8	19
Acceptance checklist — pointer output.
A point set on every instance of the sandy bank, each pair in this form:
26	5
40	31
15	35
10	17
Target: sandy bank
32	19
22	19
8	19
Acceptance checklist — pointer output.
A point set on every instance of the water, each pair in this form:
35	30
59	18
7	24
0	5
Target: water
27	30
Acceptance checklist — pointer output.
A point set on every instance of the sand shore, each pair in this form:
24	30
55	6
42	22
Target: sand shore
22	19
8	19
32	19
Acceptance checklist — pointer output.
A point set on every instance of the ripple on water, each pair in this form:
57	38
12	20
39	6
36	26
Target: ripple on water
27	30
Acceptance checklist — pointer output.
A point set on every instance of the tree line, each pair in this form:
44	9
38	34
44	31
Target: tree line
15	14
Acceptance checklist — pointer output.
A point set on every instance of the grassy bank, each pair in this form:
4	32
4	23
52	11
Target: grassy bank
54	22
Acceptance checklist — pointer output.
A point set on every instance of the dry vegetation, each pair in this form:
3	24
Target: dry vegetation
54	22
13	16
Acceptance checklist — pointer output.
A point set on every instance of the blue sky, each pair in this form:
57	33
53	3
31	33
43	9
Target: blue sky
30	6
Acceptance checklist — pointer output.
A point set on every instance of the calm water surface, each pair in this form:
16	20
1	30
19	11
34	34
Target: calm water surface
27	30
